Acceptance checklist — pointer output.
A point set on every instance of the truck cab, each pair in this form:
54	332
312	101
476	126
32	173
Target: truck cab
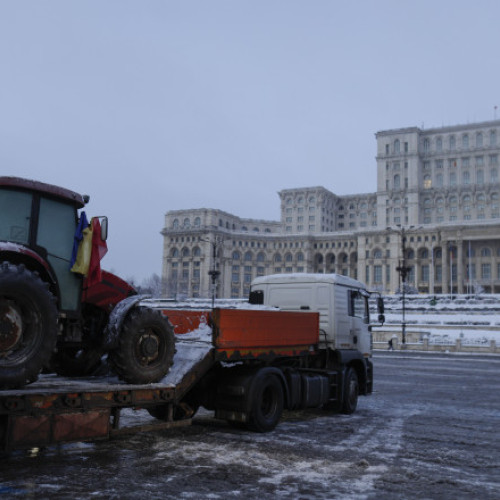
342	303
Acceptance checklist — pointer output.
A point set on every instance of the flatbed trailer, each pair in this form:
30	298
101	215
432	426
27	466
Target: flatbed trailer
240	343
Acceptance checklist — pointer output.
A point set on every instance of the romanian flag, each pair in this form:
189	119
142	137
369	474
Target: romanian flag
82	247
91	250
99	250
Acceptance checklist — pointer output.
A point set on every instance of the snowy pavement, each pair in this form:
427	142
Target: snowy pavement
430	430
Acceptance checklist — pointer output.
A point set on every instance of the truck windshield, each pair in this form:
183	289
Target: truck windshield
15	214
358	306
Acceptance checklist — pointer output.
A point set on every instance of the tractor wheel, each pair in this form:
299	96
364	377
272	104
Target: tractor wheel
28	325
145	348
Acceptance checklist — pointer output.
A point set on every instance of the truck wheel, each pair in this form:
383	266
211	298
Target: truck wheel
351	392
267	403
28	325
145	348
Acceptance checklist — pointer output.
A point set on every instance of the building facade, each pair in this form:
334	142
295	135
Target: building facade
437	189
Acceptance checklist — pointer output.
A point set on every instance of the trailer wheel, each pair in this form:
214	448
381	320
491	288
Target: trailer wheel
145	348
351	392
28	325
267	403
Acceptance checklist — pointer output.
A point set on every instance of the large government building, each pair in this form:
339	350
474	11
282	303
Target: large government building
437	198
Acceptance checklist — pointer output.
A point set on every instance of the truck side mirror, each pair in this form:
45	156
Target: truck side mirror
104	229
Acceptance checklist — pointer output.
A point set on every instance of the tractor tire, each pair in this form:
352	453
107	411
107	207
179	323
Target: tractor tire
146	347
28	325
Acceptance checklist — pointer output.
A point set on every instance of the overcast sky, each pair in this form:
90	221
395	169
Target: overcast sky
150	106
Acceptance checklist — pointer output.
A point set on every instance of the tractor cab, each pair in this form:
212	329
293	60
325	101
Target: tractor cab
37	229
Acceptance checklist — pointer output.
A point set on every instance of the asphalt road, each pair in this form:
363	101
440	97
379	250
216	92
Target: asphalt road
430	430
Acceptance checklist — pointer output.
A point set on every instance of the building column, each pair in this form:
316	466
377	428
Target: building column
445	268
431	272
417	273
460	266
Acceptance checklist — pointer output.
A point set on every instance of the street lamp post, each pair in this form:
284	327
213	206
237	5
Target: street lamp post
214	273
403	271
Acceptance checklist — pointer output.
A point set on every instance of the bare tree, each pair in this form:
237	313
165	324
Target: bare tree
151	286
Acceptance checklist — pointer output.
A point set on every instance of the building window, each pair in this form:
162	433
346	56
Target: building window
479	140
453	143
439	144
396	146
377	274
427	182
427	145
480	177
485	252
465	141
493	138
424	273
466	177
486	271
439	273
466	203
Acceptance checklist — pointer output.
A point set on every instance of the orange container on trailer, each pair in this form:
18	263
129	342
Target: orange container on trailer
255	332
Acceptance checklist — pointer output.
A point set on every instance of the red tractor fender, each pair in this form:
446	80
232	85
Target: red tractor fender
19	254
116	318
108	292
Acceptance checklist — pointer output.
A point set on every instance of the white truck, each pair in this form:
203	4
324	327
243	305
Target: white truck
344	319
